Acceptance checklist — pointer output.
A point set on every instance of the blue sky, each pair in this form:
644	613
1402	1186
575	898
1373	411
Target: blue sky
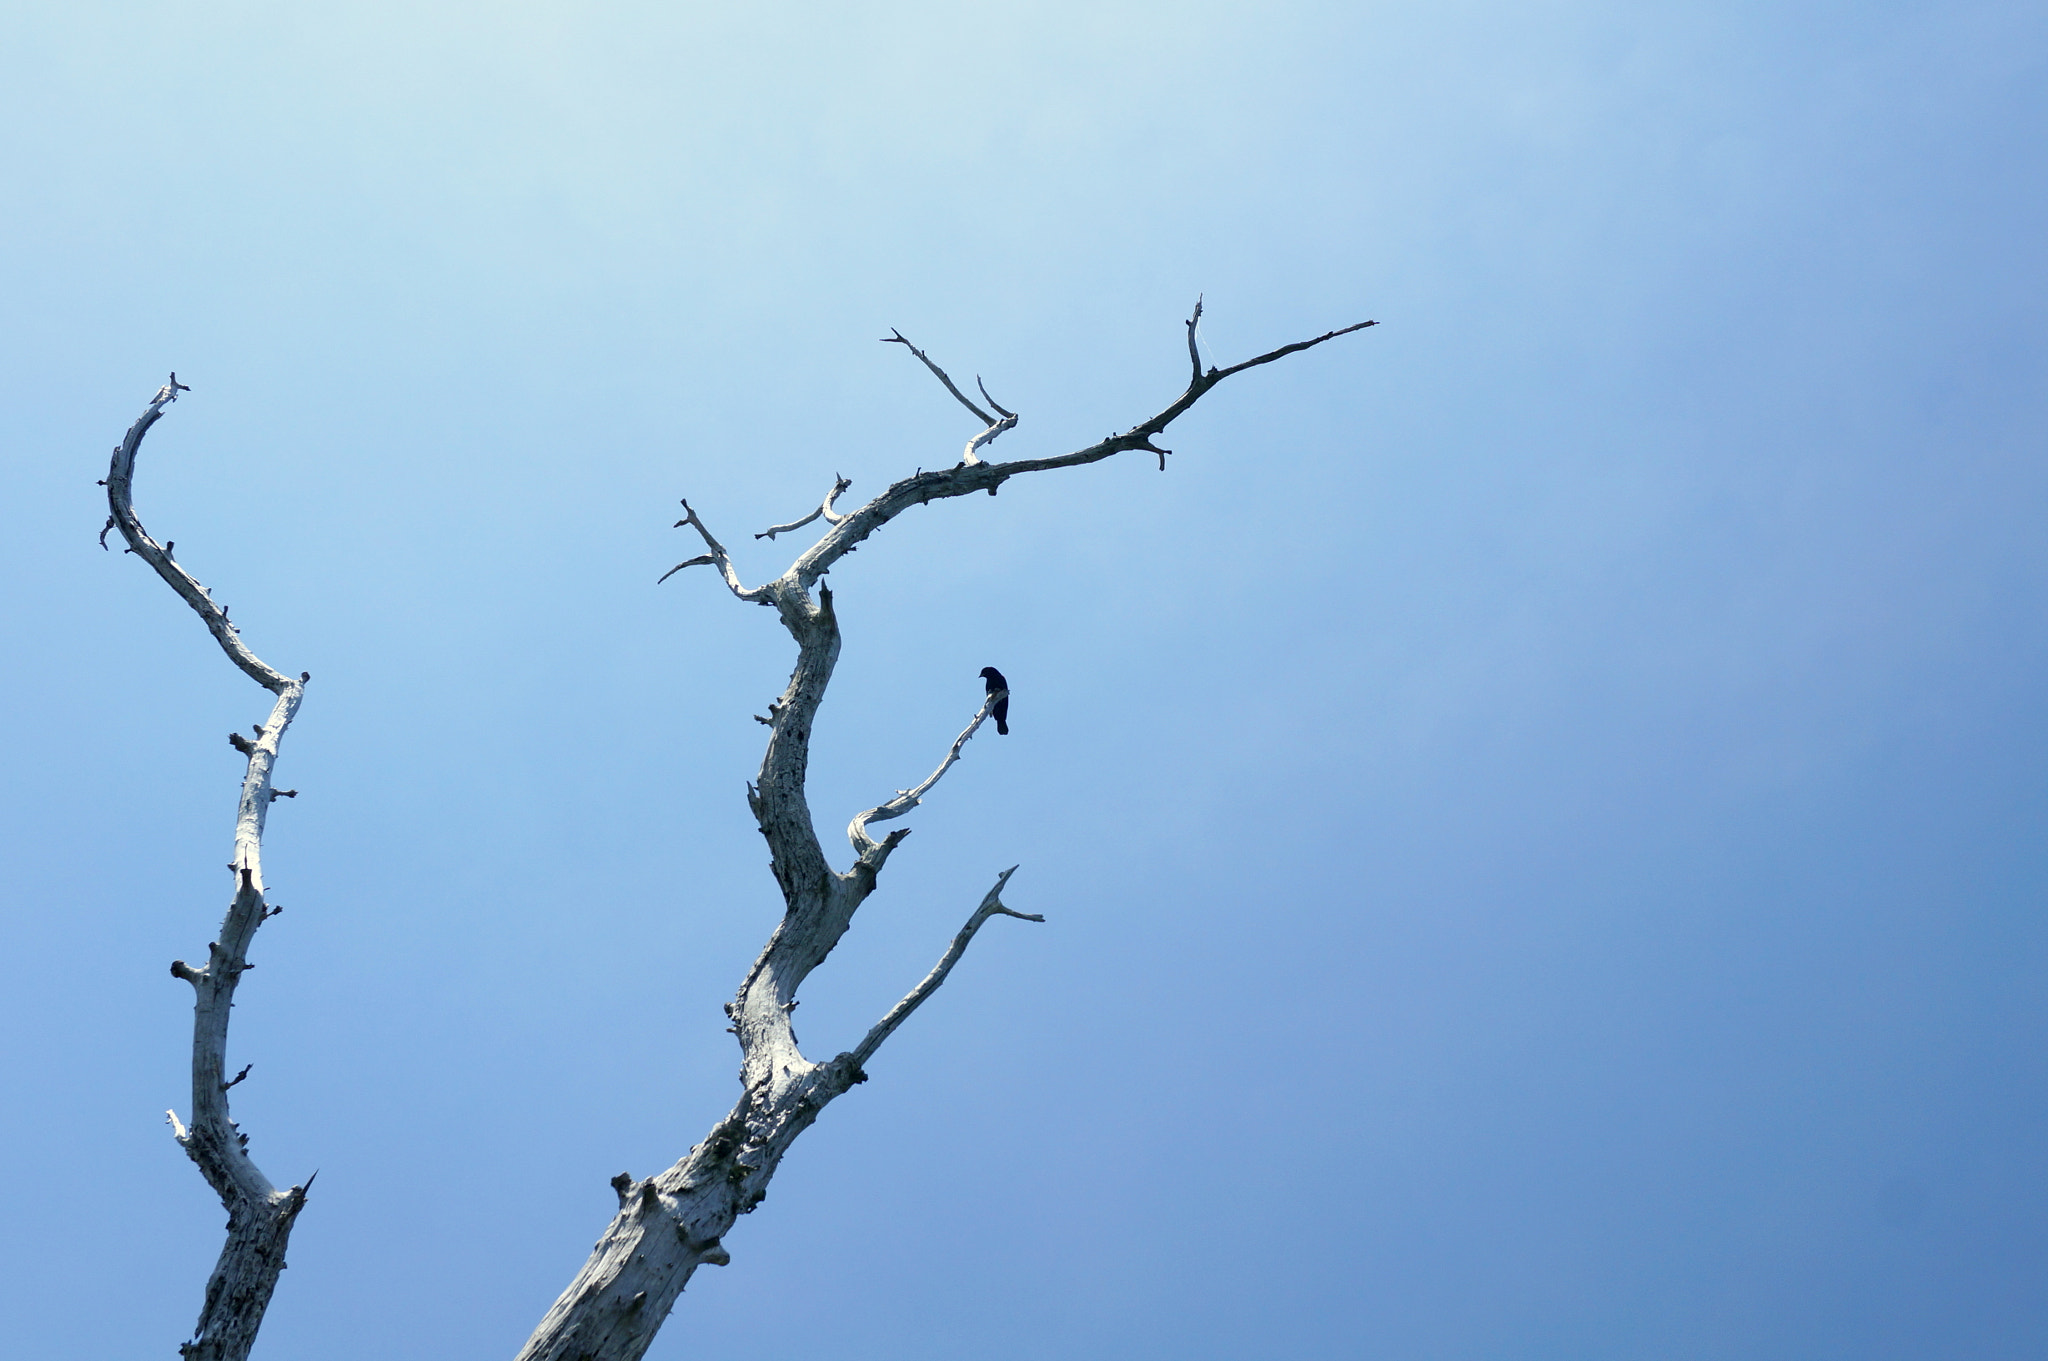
1538	811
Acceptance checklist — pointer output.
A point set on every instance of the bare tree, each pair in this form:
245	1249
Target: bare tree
671	1223
260	1217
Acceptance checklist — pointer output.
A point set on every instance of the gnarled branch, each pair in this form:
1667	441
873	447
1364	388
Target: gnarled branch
260	1216
121	515
675	1222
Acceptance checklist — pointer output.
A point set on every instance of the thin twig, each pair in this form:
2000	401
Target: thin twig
718	557
122	516
1296	348
991	906
896	337
996	425
907	799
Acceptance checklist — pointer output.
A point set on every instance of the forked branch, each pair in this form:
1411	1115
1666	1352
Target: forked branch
260	1217
717	557
996	424
669	1225
875	852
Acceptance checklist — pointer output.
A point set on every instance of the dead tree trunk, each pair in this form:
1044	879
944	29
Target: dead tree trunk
260	1217
671	1223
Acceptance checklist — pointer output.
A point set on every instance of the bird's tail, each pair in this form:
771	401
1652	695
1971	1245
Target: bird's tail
1002	728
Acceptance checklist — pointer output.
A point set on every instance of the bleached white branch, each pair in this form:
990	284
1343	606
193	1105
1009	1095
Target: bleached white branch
996	424
670	1224
717	557
121	515
875	852
831	517
260	1217
925	487
1216	375
896	337
991	906
971	454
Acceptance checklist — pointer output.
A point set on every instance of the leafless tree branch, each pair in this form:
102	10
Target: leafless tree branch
121	516
717	557
990	400
996	425
260	1217
824	509
670	1224
875	852
991	906
1218	375
896	337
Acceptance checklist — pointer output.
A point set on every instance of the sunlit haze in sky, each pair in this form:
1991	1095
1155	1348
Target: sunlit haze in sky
1538	810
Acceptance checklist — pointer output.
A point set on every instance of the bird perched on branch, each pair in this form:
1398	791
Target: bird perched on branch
998	686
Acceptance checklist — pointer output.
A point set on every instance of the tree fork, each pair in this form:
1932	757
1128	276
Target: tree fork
677	1221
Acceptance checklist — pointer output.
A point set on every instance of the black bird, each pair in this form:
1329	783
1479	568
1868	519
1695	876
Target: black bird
998	686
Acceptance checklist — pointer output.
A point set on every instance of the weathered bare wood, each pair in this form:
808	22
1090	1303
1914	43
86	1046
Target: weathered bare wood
991	906
997	424
906	799
672	1223
260	1216
824	511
